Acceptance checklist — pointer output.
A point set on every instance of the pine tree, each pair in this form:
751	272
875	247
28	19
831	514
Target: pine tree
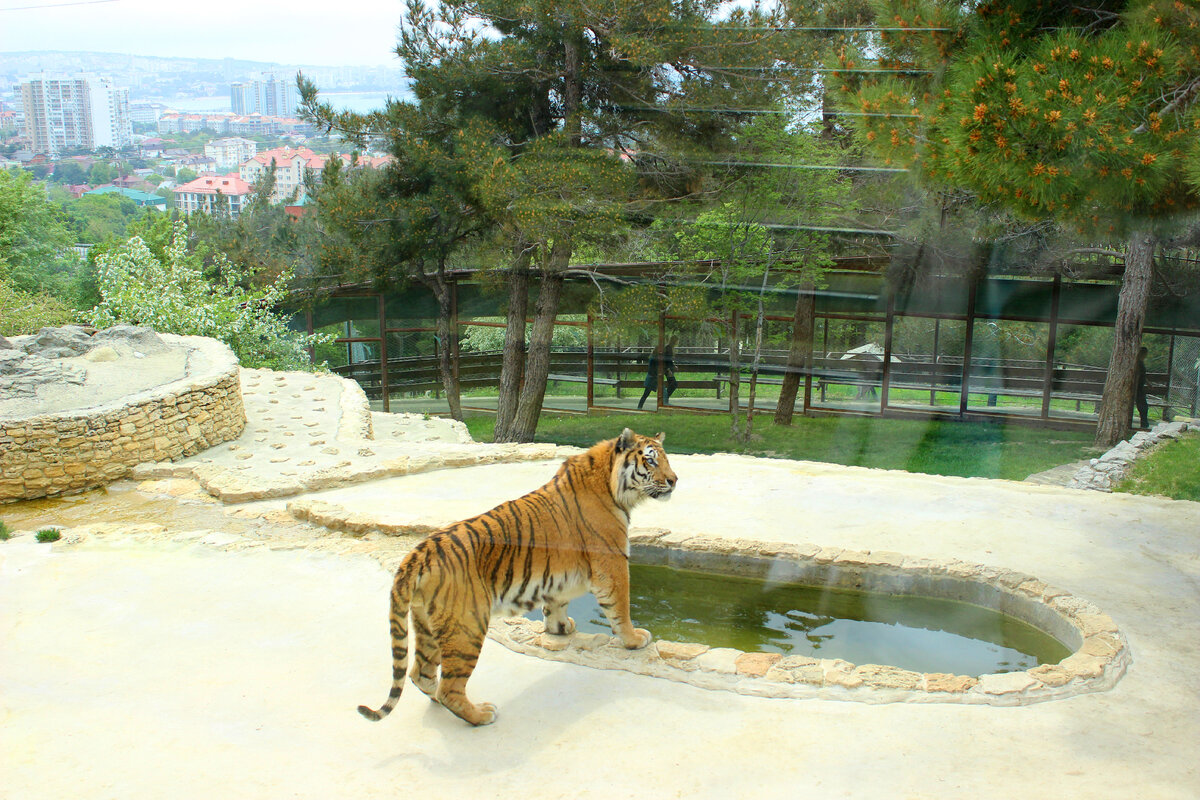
1054	111
569	113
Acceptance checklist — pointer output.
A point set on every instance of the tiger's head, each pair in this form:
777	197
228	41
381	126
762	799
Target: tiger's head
640	469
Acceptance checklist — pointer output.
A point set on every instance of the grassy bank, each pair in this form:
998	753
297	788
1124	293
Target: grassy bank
938	448
1172	470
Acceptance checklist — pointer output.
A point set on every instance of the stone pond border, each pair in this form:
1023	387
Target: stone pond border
49	454
1099	658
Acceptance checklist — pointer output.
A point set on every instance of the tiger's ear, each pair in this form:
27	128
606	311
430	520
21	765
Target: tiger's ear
661	436
625	440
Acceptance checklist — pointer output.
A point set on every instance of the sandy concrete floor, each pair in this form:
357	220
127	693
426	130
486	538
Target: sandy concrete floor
151	666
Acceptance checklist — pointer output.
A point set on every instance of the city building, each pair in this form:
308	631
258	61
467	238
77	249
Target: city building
236	124
270	96
231	152
146	113
196	163
291	165
112	124
221	194
80	111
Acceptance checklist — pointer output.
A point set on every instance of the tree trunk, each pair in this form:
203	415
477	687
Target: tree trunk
753	391
446	335
735	368
1116	407
512	367
798	354
537	362
759	322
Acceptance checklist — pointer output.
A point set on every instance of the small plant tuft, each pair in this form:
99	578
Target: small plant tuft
5	532
48	535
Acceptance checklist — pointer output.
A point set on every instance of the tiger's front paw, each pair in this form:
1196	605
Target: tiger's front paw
642	637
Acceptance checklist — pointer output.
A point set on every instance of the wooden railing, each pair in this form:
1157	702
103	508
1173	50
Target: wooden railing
710	371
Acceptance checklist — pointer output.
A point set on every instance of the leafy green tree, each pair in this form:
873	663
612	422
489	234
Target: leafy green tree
35	240
96	217
69	172
101	174
171	295
1087	118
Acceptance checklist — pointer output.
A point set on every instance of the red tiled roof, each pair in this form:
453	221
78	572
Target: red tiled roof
283	155
212	184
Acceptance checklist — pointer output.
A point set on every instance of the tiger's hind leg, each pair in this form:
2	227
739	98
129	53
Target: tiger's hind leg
460	652
557	621
427	655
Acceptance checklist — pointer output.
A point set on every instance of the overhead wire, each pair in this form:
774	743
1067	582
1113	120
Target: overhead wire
57	5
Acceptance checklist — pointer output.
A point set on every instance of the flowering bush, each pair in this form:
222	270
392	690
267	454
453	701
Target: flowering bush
172	296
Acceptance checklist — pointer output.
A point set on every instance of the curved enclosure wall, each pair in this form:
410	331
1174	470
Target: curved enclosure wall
71	450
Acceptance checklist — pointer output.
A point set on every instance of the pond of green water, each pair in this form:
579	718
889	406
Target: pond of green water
916	633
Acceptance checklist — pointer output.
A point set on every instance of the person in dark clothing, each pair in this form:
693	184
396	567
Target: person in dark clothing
1139	388
651	381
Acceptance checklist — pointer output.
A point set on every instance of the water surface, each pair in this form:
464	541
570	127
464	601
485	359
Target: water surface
916	633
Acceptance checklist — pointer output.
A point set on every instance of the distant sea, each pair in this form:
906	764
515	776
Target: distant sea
346	101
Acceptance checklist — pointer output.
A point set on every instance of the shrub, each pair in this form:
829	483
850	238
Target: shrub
48	535
28	312
171	295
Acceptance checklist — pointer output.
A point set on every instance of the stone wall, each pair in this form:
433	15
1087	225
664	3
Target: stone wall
51	454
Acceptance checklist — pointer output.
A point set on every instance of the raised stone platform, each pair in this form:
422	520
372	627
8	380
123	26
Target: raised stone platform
79	411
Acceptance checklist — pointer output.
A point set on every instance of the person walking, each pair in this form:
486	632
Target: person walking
651	381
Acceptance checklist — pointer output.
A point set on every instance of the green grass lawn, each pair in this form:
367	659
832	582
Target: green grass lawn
934	447
1172	470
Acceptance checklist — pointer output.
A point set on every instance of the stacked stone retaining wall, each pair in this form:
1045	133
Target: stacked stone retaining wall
51	454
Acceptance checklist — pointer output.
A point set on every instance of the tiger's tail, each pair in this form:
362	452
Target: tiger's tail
402	591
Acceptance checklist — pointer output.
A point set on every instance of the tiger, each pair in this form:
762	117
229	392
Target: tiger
546	548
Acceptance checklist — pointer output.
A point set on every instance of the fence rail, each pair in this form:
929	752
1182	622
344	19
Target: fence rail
995	379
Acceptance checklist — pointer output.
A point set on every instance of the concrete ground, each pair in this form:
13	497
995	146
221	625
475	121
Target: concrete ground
198	649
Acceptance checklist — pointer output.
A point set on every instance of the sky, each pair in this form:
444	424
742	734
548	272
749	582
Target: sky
345	33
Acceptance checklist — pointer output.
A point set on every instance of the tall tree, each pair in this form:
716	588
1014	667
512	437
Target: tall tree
764	237
406	222
1054	111
570	98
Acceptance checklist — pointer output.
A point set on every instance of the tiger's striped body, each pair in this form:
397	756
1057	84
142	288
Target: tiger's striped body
544	549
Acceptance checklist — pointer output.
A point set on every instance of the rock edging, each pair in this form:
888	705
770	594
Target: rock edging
1101	653
1101	474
